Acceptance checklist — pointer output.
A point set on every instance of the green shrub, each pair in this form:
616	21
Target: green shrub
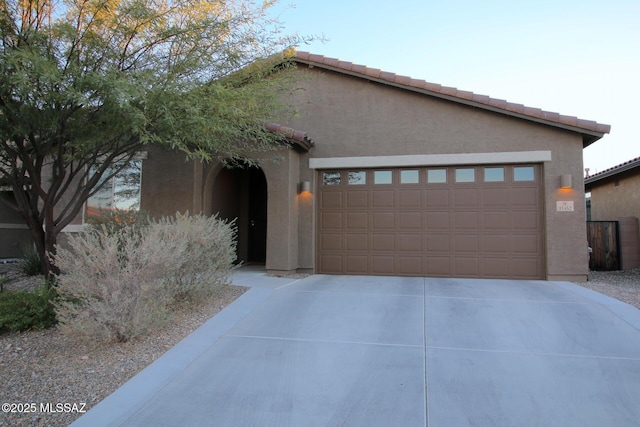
22	311
118	284
30	264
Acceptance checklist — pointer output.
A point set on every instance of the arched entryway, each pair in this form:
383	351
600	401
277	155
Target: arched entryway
241	194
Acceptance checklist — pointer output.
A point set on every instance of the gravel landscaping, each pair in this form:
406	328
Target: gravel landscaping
47	368
621	285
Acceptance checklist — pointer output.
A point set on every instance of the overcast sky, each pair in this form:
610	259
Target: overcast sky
578	58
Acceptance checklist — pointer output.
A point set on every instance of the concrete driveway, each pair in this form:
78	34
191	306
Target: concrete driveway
389	351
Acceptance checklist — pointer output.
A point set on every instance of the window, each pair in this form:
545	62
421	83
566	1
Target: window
437	176
382	177
523	173
119	192
465	175
411	176
331	178
493	174
357	178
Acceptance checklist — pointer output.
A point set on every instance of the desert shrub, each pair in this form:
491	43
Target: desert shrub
118	284
204	252
30	264
22	310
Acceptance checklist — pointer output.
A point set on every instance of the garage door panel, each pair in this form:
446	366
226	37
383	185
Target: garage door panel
437	198
466	243
356	264
410	243
497	267
437	266
383	220
496	244
494	221
331	199
438	243
331	220
526	244
410	220
384	242
410	266
432	227
466	266
525	196
332	264
466	220
465	197
357	242
525	268
358	220
383	264
358	199
525	220
495	198
383	198
410	198
438	220
331	242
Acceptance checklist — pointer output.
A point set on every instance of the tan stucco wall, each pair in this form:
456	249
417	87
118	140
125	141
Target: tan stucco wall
609	202
349	117
167	183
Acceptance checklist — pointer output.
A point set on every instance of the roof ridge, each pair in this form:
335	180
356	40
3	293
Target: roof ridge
452	92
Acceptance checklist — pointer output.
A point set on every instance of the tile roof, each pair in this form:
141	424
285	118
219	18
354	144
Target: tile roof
612	171
298	137
591	130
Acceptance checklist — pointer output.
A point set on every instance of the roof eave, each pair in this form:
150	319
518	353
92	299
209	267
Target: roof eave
588	136
594	179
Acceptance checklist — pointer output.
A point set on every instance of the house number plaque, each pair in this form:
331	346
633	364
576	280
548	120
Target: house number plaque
564	206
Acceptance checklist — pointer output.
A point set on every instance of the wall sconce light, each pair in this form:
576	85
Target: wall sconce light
566	181
305	187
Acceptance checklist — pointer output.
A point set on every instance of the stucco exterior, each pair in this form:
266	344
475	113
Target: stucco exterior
615	197
354	119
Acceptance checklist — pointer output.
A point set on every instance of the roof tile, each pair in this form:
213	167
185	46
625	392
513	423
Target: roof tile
385	75
404	80
345	65
356	68
331	62
373	72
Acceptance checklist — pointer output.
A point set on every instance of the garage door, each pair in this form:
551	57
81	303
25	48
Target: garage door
463	221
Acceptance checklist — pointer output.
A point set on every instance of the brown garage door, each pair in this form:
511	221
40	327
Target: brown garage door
463	221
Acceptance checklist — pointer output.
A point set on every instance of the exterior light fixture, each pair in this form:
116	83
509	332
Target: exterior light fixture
305	187
566	181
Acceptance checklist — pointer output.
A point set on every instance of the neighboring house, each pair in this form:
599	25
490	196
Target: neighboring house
615	196
389	175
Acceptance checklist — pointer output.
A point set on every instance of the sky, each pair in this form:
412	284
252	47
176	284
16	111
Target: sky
577	58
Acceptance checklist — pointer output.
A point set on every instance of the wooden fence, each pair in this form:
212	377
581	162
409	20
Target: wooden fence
604	243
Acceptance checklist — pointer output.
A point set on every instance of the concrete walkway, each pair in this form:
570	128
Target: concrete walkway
390	351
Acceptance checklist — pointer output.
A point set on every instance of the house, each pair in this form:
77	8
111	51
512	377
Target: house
389	175
615	196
